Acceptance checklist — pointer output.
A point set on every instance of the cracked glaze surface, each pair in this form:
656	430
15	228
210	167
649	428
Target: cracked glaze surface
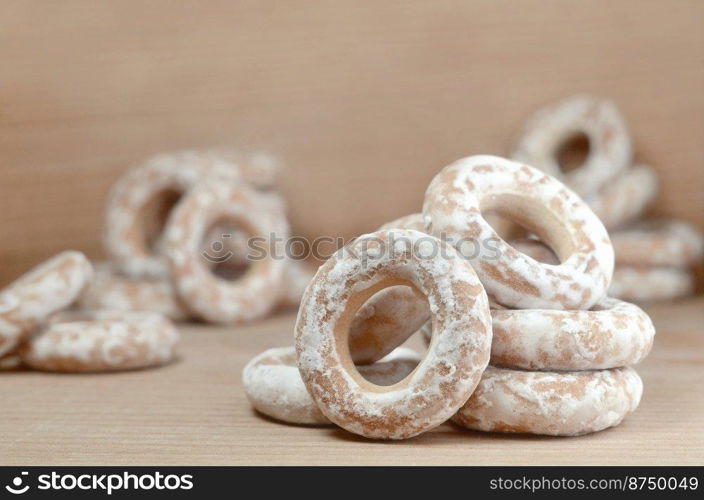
101	341
610	147
274	386
246	298
452	209
448	374
48	288
551	403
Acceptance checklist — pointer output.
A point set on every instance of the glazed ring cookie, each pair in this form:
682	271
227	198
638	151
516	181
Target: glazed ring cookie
391	315
110	290
553	126
259	168
626	197
457	356
48	288
140	201
275	388
453	209
659	243
211	298
535	249
101	341
551	403
610	335
651	284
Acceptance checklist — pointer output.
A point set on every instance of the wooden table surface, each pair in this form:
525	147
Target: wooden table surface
195	412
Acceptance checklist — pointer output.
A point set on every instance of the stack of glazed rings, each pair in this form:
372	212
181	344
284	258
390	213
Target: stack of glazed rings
560	349
654	258
177	230
36	331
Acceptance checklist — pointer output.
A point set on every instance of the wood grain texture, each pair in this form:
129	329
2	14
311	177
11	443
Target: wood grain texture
364	100
195	412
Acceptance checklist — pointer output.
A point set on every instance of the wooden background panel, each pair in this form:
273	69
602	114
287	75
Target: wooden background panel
365	100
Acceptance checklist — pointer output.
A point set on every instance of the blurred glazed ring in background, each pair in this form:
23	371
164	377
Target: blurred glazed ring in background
551	403
249	296
651	284
454	205
624	198
140	202
659	242
110	290
555	125
101	341
391	315
274	386
46	289
453	365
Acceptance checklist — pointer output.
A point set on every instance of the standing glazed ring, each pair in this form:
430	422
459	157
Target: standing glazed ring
101	341
658	242
48	288
626	197
250	296
391	315
141	199
452	367
453	209
553	126
110	290
274	386
551	403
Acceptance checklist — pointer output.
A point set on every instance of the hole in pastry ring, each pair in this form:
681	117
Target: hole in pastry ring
453	365
101	341
46	289
392	315
274	386
611	335
650	284
551	403
658	243
110	290
160	175
544	206
609	140
248	297
625	197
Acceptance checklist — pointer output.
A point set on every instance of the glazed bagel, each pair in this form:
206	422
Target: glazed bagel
457	356
101	341
551	403
274	386
453	208
554	125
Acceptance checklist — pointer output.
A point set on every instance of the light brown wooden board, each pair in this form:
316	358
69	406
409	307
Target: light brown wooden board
195	412
365	100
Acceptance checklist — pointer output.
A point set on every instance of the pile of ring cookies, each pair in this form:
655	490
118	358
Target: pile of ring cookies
654	257
38	331
176	232
514	344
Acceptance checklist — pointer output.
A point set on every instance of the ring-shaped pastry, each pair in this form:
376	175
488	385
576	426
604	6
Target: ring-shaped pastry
456	358
544	206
